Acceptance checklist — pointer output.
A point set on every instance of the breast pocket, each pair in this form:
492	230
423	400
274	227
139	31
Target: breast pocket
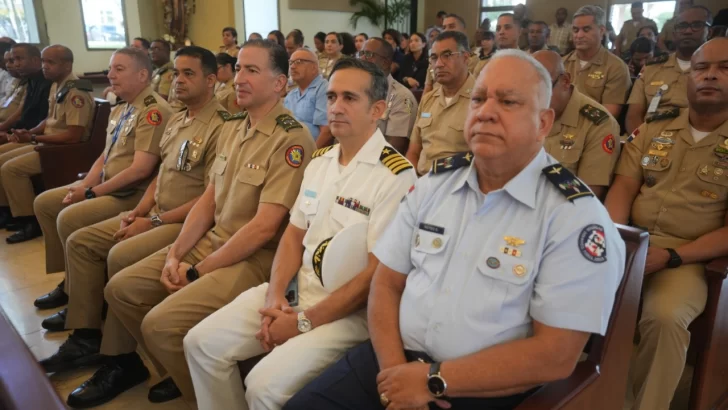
347	216
713	185
428	258
654	165
499	286
455	134
595	86
309	208
250	176
423	122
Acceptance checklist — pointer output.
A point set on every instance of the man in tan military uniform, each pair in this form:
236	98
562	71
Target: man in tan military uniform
228	240
666	39
70	120
229	42
584	137
188	149
163	75
14	100
594	70
117	180
438	132
672	180
399	118
632	27
662	84
452	22
508	31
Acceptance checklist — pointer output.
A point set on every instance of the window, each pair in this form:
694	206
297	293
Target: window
494	8
104	25
18	21
659	11
260	17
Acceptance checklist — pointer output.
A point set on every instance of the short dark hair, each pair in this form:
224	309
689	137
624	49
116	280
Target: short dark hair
366	36
649	27
29	48
386	49
339	38
321	36
4	47
393	33
458	18
349	44
460	38
66	53
297	37
279	37
642	45
226	59
542	23
165	43
207	59
488	35
145	43
709	15
421	36
232	31
379	85
441	13
637	5
513	17
563	8
278	55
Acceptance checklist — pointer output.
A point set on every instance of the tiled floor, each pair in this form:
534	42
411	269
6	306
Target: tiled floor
22	279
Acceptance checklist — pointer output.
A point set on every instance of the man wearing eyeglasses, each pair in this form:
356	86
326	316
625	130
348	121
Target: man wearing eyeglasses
307	102
398	119
584	137
452	22
663	82
438	132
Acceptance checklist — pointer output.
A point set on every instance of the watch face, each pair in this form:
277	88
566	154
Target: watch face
192	274
304	326
436	385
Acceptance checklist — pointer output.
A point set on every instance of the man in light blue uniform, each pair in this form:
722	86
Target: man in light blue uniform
495	271
308	101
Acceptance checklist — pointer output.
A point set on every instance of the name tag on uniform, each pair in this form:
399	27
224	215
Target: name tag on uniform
426	115
432	228
308	193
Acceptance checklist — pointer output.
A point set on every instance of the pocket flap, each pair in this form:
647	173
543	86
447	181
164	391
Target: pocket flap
507	269
309	206
713	175
430	242
251	176
218	167
424	122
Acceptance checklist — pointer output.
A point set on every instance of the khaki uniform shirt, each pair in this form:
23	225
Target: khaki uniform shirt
585	140
326	64
262	165
665	76
399	118
685	184
439	126
188	151
605	78
141	124
232	51
162	79
14	100
225	94
69	105
481	64
631	28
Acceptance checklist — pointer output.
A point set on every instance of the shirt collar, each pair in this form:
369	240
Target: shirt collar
208	111
369	153
268	124
464	91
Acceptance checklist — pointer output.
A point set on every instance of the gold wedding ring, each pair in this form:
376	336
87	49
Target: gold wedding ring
384	400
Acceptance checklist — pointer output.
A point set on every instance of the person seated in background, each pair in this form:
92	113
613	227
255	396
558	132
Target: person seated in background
666	39
294	41
538	37
324	320
640	53
277	37
399	116
452	22
359	40
631	28
720	24
561	32
662	84
438	132
584	137
307	102
487	46
413	72
14	101
69	120
404	42
229	42
319	42
163	68
594	70
141	43
225	86
394	38
672	181
495	271
334	45
507	31
431	36
255	36
7	81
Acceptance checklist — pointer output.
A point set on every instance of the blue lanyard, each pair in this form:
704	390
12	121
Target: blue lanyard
117	130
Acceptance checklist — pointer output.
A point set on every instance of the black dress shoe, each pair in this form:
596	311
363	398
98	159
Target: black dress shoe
29	231
74	353
56	322
14	225
55	299
164	391
108	382
5	216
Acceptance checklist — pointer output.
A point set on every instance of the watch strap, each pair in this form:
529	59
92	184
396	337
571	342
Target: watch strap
434	368
675	259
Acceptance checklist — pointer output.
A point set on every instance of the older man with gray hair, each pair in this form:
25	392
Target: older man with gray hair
307	102
496	269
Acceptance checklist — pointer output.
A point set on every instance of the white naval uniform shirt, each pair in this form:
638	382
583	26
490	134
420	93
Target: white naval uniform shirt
366	180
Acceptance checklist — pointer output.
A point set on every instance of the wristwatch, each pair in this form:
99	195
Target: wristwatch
156	221
192	274
90	194
33	139
435	383
304	325
675	259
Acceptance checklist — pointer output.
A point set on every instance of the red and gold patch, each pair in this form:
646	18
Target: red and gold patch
77	101
608	144
294	156
154	117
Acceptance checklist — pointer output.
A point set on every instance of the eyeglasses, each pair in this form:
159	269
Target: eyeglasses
365	54
695	26
445	57
300	61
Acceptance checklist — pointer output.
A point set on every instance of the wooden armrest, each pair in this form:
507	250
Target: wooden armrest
556	394
717	269
61	163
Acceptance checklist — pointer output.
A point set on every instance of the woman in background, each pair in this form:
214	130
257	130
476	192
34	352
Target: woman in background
359	40
332	46
415	64
277	37
393	37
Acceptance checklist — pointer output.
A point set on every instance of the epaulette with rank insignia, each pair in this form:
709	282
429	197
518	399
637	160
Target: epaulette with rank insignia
658	60
663	115
226	116
83	85
451	163
594	114
394	160
287	122
321	151
566	182
150	100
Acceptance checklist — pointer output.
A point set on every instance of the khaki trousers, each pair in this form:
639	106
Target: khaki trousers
90	250
141	310
16	175
10	151
671	300
58	222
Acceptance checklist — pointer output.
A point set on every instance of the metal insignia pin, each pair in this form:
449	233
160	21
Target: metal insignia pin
493	262
437	243
519	270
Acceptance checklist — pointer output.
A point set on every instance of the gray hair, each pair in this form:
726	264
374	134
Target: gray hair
595	11
379	85
544	85
140	57
309	52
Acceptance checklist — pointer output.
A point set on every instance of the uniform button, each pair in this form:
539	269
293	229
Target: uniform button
673	190
692	149
664	209
682	169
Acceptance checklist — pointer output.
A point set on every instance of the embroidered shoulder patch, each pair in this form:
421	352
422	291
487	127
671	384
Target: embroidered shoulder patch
294	156
451	163
394	160
594	114
593	244
321	151
77	101
287	122
154	117
569	185
83	85
663	115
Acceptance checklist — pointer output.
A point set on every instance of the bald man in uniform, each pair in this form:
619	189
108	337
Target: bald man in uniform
584	137
672	181
118	178
163	68
70	120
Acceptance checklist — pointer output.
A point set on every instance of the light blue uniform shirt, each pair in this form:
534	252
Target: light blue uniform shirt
465	289
310	108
